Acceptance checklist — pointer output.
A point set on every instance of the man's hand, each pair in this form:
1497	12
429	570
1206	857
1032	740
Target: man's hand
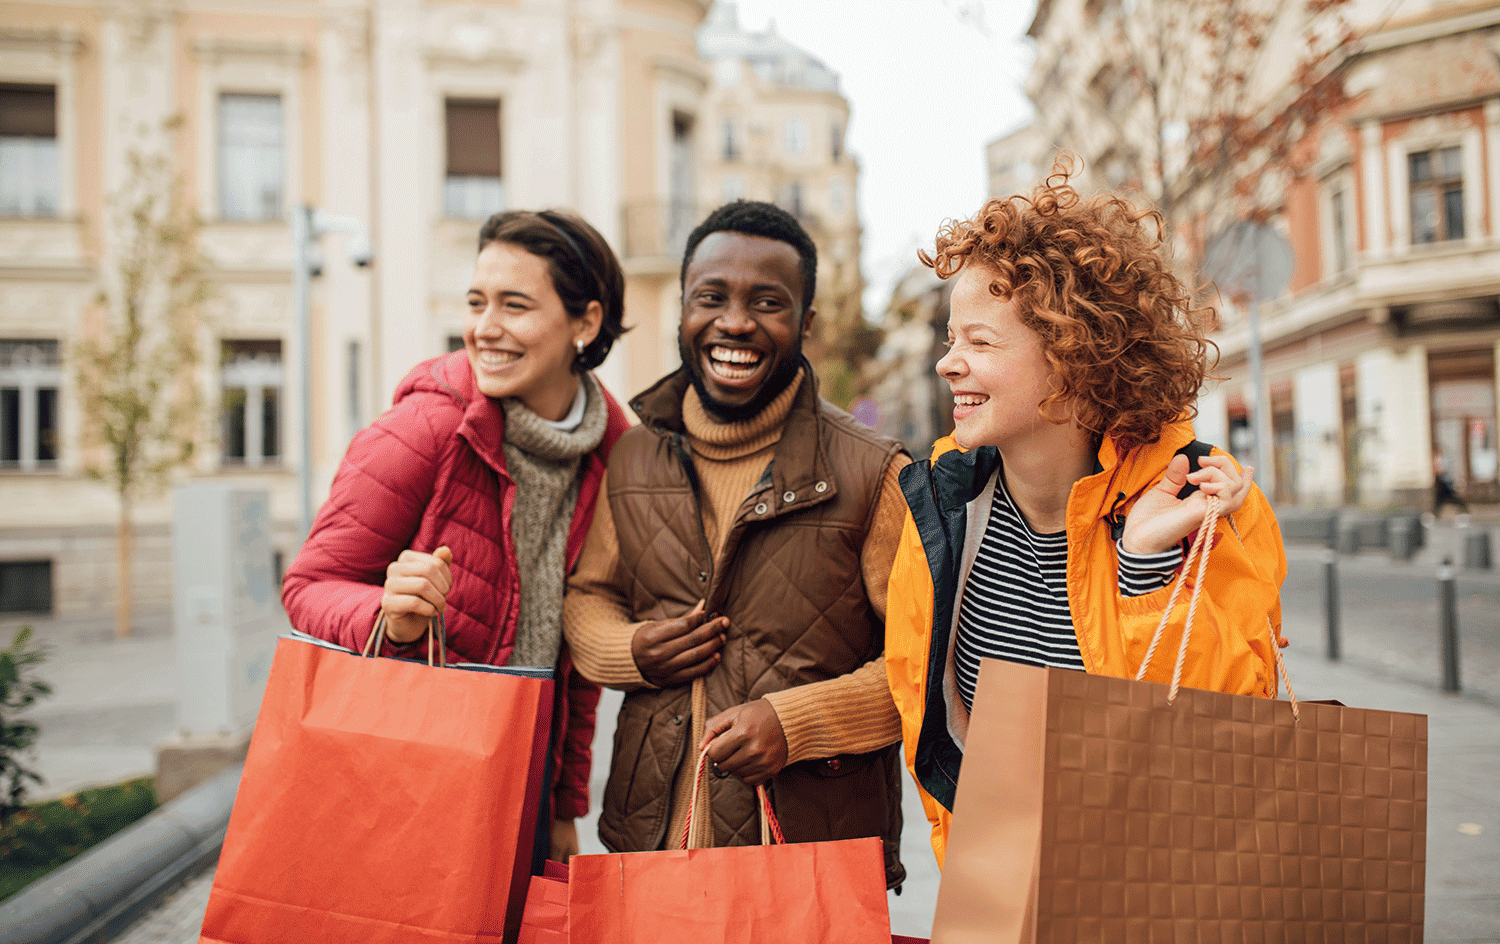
671	652
416	590
746	742
564	840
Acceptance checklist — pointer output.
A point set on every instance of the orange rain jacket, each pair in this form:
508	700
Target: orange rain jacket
1230	649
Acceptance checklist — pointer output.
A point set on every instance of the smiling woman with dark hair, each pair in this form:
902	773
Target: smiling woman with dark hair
471	496
1049	528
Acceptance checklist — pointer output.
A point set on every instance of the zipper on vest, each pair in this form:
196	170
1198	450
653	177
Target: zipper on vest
685	458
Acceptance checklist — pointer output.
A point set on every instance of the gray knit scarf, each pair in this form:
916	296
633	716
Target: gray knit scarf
544	463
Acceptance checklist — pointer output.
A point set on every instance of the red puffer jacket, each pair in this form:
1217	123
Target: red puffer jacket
431	471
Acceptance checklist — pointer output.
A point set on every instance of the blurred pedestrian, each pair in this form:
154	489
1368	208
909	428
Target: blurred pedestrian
1444	492
472	495
1048	529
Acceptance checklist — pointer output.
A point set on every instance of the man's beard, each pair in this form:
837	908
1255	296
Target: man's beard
781	377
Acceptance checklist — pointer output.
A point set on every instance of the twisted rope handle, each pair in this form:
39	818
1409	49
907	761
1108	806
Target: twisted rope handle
1200	550
437	632
770	827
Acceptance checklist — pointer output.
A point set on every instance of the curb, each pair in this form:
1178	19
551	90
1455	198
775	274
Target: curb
94	896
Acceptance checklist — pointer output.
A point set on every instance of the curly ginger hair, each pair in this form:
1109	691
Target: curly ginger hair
1119	329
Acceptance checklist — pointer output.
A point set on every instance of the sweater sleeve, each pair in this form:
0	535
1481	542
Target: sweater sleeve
596	619
853	713
333	588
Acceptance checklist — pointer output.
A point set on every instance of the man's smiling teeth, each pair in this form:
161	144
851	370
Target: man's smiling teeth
497	358
969	399
733	363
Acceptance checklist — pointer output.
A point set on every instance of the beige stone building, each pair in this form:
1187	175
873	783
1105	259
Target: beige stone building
1379	355
417	117
774	129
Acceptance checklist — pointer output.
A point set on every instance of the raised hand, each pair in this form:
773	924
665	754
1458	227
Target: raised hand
1159	519
671	652
416	590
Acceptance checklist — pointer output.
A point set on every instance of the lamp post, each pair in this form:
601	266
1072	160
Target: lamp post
308	226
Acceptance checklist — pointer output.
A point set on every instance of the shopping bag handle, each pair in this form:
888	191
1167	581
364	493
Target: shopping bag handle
1199	550
692	838
437	632
770	827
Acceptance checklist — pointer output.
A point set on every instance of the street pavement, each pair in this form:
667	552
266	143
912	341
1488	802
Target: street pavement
114	701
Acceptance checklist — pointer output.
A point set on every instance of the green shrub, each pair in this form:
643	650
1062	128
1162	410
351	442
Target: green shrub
19	687
41	837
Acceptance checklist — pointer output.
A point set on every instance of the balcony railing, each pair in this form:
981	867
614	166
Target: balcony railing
658	228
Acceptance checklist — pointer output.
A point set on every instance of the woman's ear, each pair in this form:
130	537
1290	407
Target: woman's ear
586	329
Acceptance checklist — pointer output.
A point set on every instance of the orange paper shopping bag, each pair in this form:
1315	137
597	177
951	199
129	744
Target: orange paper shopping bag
382	800
825	892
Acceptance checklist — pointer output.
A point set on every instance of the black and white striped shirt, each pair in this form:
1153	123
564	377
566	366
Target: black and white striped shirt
1015	603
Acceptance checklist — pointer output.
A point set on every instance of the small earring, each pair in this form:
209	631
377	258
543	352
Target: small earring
579	344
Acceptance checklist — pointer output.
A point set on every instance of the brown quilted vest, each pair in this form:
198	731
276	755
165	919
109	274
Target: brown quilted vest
790	582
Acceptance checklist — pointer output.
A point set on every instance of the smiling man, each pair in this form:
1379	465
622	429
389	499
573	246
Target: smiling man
744	536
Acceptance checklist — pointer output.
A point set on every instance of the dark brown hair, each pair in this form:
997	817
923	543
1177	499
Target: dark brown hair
583	268
1117	326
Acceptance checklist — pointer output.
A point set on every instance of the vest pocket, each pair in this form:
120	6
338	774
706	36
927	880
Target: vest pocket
650	739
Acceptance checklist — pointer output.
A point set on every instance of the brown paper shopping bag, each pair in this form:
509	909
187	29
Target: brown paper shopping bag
1104	809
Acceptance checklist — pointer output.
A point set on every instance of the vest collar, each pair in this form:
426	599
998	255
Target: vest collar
800	473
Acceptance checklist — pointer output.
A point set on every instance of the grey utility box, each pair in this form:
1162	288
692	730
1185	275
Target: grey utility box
226	608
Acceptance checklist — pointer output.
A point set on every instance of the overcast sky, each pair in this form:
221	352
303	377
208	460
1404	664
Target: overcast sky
929	82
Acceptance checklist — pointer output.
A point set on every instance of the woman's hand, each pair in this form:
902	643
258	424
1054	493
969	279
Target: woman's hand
1159	519
416	589
564	840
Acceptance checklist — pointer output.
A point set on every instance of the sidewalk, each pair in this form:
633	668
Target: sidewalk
114	700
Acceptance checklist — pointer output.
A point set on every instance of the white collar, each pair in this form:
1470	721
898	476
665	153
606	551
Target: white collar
575	414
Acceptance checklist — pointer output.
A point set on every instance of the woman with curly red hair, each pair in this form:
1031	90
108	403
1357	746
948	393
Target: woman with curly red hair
1049	528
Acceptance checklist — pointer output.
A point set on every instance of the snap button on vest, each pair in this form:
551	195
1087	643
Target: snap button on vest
760	509
702	575
677	719
821	487
789	497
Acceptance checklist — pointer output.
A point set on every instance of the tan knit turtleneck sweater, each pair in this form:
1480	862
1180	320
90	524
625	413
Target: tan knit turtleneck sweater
849	714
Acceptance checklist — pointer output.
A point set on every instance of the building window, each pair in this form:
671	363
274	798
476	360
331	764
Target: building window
791	198
682	213
28	151
731	141
474	188
1338	231
796	136
252	165
26	586
250	405
836	137
30	375
1437	195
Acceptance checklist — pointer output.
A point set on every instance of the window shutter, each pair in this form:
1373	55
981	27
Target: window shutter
28	111
473	138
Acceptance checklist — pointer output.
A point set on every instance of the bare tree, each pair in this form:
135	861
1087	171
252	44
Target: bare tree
1210	99
136	365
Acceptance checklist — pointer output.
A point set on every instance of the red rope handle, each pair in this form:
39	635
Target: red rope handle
763	802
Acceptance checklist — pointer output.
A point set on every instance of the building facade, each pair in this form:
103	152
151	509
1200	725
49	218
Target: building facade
1379	353
417	117
775	125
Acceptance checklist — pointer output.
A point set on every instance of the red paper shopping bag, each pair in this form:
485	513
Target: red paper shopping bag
827	892
382	800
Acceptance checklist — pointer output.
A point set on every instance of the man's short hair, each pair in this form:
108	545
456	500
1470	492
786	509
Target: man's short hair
757	218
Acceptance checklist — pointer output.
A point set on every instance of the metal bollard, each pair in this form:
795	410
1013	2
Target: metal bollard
1477	548
1448	624
1331	602
1403	537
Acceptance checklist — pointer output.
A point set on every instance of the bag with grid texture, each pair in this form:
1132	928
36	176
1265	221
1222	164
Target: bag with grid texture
1093	808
